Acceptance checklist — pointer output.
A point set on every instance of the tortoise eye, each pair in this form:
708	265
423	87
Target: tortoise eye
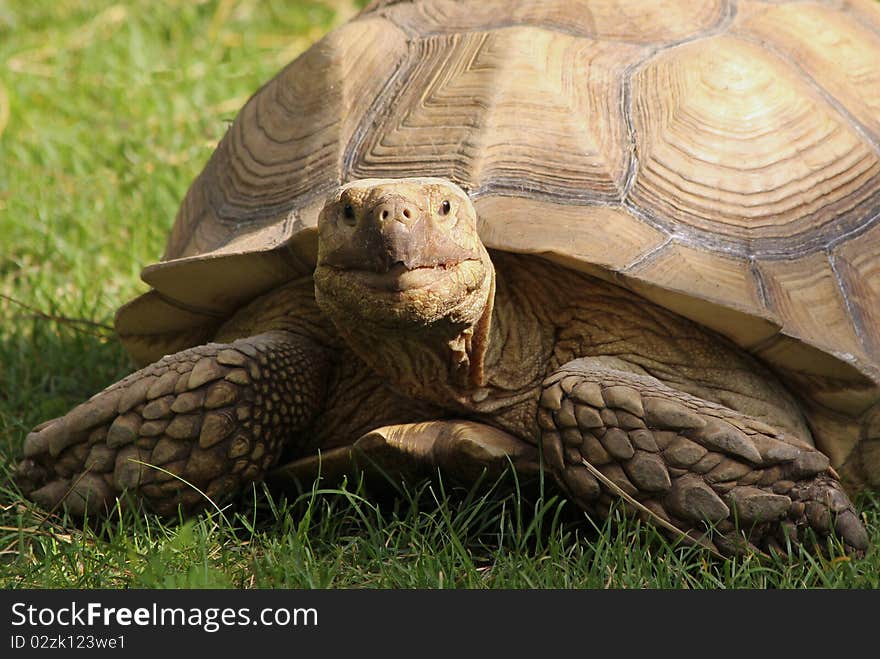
348	214
445	207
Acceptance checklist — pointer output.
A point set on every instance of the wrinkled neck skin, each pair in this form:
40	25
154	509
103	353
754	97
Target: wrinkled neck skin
457	361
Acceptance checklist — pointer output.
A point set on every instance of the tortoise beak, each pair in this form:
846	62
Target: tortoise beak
394	232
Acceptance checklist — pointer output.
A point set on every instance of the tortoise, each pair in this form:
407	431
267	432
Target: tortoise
633	245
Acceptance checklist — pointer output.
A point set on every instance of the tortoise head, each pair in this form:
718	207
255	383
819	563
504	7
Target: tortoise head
401	252
403	256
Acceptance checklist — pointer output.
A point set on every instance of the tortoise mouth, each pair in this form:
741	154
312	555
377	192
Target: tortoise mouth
401	279
402	298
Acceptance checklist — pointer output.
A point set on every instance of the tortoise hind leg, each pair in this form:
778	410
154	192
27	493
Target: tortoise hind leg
687	460
212	418
462	450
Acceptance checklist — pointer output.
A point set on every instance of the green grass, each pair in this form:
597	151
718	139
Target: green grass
107	112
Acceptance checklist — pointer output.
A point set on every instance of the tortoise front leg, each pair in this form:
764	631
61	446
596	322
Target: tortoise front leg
687	460
214	417
462	450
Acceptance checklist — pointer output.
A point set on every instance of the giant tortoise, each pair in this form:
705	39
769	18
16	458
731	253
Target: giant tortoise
632	243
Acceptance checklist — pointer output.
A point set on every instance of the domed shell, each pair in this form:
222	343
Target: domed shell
721	158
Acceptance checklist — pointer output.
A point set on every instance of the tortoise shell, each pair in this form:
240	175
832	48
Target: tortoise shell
719	157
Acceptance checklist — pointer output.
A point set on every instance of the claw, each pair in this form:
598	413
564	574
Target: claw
851	530
37	441
51	494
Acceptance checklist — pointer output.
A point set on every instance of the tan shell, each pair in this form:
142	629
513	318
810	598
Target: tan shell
721	158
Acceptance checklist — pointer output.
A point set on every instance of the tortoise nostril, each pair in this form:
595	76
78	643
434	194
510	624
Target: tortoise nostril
395	208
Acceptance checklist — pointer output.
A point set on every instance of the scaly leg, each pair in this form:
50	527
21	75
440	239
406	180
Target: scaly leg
687	460
213	417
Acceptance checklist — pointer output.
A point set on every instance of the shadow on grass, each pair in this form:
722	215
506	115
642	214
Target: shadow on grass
48	368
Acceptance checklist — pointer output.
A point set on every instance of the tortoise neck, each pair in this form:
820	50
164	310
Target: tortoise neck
443	361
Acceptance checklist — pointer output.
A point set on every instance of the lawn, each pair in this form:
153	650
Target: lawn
107	112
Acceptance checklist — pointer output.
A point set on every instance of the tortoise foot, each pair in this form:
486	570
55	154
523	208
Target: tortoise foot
194	426
687	463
